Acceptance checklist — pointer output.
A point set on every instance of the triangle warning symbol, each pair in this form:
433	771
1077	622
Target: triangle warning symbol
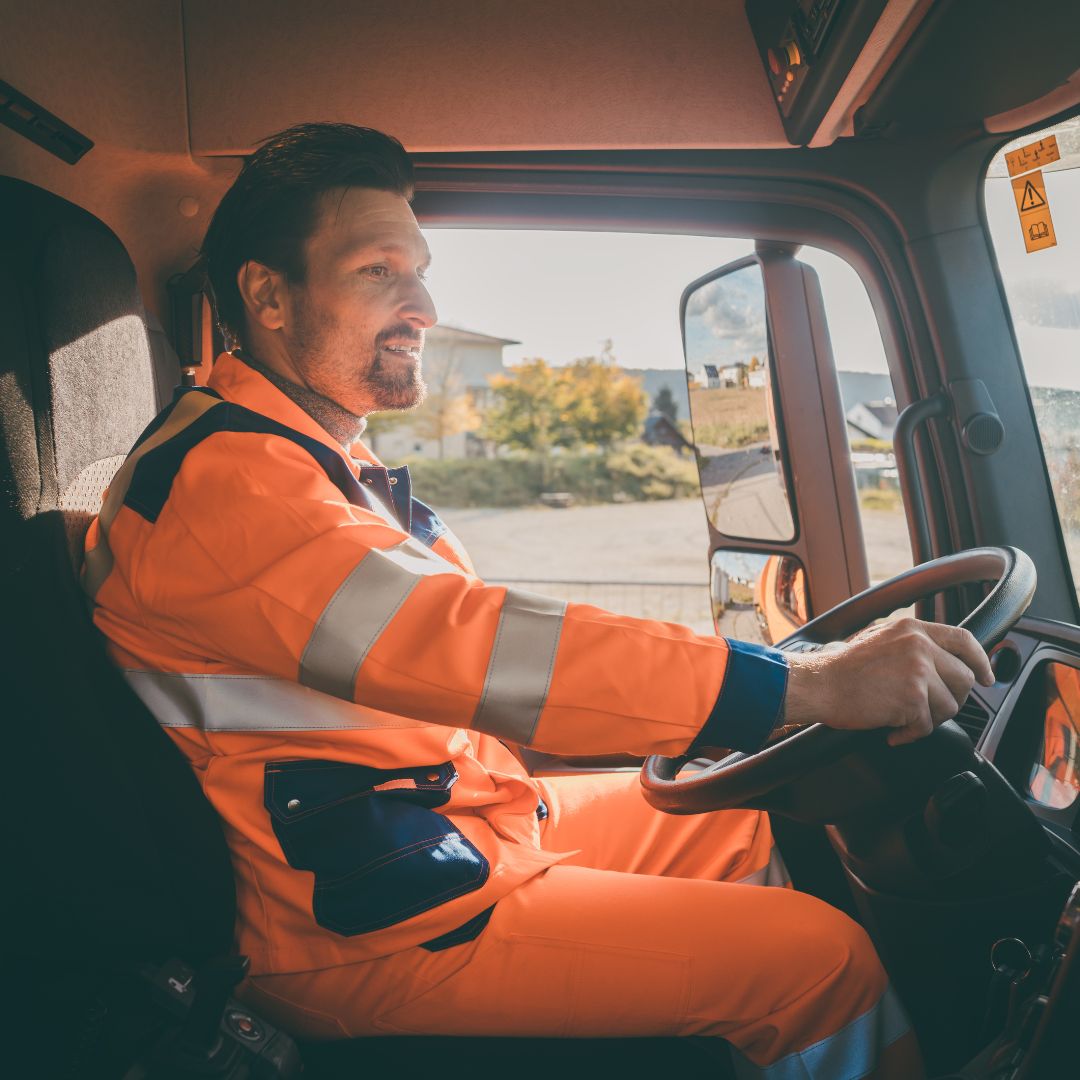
1032	200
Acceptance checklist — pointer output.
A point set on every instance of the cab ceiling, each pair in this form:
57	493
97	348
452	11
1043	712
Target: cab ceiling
481	74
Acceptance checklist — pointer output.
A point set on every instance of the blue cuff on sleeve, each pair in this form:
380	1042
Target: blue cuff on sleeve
750	701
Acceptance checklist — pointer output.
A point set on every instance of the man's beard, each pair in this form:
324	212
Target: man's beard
384	388
401	387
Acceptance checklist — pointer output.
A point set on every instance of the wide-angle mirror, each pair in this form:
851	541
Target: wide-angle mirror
758	597
729	372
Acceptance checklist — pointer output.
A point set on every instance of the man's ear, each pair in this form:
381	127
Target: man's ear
264	293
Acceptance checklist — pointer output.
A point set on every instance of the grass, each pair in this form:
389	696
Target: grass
731	418
881	499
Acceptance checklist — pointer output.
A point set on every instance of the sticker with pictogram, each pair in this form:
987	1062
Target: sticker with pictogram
1033	156
1034	210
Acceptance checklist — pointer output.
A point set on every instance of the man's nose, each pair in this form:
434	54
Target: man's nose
418	307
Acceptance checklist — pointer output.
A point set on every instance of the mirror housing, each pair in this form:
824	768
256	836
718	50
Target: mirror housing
799	431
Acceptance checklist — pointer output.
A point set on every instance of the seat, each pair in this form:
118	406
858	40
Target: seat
114	858
112	854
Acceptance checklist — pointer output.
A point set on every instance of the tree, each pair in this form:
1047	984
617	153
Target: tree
538	407
530	410
665	403
605	403
448	408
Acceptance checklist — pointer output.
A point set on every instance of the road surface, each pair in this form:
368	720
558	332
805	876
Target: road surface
628	543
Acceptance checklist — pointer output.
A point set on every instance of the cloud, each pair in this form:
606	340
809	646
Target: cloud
726	319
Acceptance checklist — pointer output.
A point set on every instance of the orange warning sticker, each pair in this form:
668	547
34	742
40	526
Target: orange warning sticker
1030	194
1033	156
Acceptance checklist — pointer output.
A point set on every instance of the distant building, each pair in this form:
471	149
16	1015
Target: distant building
660	431
456	362
733	375
708	377
872	420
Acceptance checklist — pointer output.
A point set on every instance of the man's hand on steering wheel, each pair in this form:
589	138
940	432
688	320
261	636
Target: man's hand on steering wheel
908	675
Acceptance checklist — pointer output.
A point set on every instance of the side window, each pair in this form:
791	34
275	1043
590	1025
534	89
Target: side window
554	439
869	404
1032	196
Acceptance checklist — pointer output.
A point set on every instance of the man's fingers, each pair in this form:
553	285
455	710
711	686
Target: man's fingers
918	727
955	674
960	642
942	701
937	706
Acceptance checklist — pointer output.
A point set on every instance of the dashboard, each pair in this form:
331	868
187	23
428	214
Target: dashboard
1028	724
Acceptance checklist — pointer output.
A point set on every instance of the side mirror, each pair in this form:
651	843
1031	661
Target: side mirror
758	597
740	451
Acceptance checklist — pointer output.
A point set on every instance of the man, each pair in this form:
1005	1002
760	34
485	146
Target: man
317	643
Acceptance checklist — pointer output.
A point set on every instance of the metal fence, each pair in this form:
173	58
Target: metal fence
685	602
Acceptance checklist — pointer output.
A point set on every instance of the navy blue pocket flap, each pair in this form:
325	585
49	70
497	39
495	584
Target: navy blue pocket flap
378	851
295	789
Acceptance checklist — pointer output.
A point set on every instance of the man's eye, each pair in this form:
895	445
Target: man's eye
376	271
422	274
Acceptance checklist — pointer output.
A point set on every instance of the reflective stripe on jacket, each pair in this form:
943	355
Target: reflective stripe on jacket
318	645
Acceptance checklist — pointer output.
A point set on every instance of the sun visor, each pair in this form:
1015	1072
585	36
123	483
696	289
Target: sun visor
486	75
970	61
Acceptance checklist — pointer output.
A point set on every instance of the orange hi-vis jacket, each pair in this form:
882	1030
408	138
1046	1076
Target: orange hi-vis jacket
320	648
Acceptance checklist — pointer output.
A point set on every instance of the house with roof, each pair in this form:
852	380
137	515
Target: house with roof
872	420
708	377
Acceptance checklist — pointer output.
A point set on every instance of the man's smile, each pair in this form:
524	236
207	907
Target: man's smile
413	350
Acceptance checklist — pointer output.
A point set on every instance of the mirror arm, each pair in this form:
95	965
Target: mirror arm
907	424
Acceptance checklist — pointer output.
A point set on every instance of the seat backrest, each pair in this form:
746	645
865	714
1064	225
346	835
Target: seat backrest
111	852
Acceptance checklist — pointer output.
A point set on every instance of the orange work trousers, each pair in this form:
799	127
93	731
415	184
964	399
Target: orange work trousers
658	926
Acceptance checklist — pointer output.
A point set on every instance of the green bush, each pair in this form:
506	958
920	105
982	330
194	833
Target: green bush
632	473
476	481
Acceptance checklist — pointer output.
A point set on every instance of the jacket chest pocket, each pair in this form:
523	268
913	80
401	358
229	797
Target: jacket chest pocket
379	851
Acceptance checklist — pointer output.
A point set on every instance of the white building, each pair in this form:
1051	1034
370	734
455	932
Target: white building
872	420
708	377
457	364
733	375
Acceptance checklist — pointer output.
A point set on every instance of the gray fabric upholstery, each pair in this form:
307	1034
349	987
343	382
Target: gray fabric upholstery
166	364
82	500
68	292
115	856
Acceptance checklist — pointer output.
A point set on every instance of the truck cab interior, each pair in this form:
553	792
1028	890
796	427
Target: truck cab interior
869	129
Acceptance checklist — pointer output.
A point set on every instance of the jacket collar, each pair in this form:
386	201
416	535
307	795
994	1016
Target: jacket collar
243	385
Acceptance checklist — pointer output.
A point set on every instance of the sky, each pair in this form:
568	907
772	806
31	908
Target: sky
563	294
1043	287
725	321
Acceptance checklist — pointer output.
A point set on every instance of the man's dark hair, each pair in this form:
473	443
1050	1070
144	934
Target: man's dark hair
273	205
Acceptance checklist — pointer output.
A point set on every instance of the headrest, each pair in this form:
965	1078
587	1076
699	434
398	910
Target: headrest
76	382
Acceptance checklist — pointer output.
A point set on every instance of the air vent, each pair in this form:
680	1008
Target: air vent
973	718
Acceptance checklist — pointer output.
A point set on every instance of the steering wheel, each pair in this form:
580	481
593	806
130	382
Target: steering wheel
739	777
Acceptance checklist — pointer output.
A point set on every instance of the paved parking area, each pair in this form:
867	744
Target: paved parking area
582	549
647	541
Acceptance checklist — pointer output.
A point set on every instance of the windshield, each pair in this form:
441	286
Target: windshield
1034	221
